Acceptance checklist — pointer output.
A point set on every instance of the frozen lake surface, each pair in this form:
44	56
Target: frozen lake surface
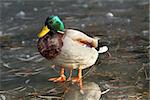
124	24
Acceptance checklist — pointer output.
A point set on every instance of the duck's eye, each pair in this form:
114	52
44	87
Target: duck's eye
57	25
50	24
51	21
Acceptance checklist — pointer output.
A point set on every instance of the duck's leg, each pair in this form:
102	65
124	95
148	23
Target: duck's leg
78	79
70	75
62	77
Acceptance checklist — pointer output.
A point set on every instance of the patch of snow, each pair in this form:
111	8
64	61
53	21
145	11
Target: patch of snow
35	9
21	14
110	15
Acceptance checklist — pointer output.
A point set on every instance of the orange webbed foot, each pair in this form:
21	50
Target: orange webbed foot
62	77
59	79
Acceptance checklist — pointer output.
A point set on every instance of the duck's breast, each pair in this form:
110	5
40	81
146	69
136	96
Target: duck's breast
50	46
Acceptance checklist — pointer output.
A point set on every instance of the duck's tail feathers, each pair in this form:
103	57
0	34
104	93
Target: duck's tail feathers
103	49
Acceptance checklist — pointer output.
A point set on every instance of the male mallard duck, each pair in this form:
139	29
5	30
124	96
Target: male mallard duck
67	48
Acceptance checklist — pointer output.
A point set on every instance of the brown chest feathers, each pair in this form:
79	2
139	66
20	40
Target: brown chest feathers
50	46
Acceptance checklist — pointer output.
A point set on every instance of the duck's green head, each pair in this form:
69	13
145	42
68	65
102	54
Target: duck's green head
53	24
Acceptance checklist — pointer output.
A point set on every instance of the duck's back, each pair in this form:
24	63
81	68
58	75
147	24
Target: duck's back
50	46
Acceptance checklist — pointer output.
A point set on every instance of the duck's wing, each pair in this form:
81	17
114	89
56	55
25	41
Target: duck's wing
81	38
84	39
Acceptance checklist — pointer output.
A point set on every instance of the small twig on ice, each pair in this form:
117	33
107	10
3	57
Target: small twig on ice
49	97
28	59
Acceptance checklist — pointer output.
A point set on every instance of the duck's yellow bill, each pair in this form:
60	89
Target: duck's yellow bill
44	31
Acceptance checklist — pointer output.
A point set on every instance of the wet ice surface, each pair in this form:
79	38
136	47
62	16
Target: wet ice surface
122	23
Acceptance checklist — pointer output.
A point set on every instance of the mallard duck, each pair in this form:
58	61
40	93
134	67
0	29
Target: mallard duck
67	48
